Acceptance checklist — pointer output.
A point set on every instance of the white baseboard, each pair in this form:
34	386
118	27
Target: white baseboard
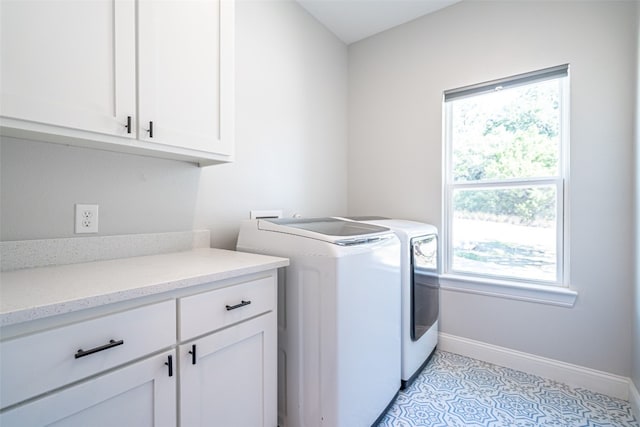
573	375
634	399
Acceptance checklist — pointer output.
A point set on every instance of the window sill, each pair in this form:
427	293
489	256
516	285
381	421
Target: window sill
550	295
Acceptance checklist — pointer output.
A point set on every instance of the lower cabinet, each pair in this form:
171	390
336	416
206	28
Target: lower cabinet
140	394
209	356
228	378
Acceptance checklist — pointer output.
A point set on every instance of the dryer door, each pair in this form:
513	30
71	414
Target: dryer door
424	284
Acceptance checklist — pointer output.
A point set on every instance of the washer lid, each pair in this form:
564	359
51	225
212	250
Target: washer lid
330	230
399	226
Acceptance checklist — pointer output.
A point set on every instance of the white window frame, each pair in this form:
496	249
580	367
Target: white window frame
556	292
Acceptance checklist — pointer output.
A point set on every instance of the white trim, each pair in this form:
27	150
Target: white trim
634	399
567	373
445	242
565	145
543	294
507	183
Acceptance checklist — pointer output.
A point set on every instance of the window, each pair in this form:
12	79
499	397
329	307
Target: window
505	178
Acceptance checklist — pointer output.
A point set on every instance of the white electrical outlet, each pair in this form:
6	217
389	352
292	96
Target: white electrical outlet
86	219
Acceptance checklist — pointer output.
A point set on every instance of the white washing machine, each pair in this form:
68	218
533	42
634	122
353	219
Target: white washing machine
338	317
420	291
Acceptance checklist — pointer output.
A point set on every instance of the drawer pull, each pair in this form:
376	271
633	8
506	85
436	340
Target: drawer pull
242	304
169	363
193	354
112	343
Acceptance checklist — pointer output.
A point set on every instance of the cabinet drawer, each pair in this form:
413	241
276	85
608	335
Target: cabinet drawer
206	312
40	362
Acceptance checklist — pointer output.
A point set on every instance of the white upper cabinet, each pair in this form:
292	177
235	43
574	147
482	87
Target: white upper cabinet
69	63
150	77
183	94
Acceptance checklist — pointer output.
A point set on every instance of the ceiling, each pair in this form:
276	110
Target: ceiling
353	20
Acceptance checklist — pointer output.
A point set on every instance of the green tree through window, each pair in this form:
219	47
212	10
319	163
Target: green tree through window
504	181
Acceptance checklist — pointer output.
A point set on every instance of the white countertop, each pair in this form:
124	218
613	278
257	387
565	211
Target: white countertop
42	292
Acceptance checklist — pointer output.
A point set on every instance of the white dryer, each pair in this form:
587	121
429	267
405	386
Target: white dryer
420	291
338	317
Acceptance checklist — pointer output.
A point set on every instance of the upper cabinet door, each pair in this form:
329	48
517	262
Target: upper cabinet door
185	50
69	63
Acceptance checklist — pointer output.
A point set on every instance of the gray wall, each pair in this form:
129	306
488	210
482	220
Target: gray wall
291	77
396	80
291	123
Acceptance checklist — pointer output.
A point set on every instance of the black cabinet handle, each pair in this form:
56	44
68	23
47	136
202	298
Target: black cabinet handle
128	125
169	363
111	344
150	130
242	304
193	354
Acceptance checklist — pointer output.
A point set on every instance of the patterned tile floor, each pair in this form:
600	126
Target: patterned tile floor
456	391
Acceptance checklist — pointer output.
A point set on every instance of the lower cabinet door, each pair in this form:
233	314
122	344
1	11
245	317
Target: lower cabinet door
142	394
231	380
